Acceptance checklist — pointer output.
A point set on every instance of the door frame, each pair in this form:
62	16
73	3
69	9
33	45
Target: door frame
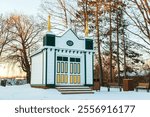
69	84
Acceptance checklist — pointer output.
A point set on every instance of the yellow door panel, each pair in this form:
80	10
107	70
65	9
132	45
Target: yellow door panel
75	80
78	68
78	79
71	79
62	78
66	79
58	78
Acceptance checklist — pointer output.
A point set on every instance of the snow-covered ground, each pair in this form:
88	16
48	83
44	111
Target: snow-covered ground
25	92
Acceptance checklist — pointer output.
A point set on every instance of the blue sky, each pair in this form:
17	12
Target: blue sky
29	7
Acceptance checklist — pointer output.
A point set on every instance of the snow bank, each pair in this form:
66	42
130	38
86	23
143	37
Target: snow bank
137	73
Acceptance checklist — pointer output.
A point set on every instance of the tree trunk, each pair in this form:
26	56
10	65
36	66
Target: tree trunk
28	76
124	48
98	44
110	36
27	68
63	4
118	61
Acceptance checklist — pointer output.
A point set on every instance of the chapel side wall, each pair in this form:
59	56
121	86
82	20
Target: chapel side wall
37	69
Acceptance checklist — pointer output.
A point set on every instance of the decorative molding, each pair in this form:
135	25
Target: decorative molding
70	43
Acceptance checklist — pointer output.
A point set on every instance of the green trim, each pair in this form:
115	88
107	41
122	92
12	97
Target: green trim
89	44
85	66
54	66
37	85
46	69
89	85
42	67
51	85
38	52
49	40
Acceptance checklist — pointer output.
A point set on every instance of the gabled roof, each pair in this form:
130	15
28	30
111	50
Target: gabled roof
69	29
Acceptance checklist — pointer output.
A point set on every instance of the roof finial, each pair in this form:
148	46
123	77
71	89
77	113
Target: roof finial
49	23
86	27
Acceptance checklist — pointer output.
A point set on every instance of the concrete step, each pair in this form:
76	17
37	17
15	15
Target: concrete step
73	87
75	90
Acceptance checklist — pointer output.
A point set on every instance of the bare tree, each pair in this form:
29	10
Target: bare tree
140	17
2	30
4	34
117	31
98	42
59	12
119	5
110	38
63	5
65	14
25	33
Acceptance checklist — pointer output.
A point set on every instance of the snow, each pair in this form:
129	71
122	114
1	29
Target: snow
25	92
136	73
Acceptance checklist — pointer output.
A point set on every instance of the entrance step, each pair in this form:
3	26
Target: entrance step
75	90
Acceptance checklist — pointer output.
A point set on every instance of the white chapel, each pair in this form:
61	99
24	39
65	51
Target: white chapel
64	60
